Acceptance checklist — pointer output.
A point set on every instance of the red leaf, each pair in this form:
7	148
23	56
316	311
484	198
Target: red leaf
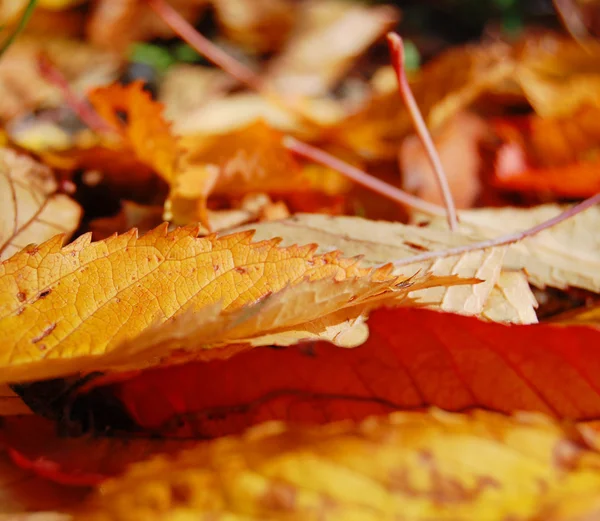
414	358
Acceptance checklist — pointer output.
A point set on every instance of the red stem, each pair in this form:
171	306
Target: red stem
362	178
505	239
397	51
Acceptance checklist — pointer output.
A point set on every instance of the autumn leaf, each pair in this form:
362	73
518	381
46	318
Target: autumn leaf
434	466
314	57
445	86
144	130
31	209
24	89
33	444
379	242
252	159
115	24
556	155
207	285
413	358
565	255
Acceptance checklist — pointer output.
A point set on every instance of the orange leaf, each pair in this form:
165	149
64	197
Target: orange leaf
557	155
61	310
140	123
413	358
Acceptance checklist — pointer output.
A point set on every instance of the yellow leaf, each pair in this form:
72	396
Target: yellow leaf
61	309
379	242
30	209
411	466
565	255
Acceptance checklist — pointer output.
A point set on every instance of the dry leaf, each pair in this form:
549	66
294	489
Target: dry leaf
567	254
22	87
444	87
379	242
258	25
31	210
252	159
555	155
321	50
117	23
457	143
413	358
87	299
558	75
416	466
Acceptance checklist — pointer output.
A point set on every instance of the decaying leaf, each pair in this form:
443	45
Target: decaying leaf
565	255
252	159
457	143
445	86
316	56
258	25
23	88
556	155
31	210
414	466
379	242
87	299
33	444
557	74
116	23
413	358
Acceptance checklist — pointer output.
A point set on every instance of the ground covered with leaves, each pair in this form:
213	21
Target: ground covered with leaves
267	260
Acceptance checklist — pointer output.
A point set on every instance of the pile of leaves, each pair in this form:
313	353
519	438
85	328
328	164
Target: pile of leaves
235	285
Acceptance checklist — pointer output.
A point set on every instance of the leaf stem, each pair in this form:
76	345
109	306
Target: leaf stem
362	178
397	51
505	239
20	26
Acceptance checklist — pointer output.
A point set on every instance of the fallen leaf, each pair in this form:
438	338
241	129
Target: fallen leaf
31	209
132	215
419	466
260	26
140	123
556	155
457	143
413	358
68	299
558	74
115	23
316	56
567	254
84	461
379	242
187	88
252	159
24	89
445	86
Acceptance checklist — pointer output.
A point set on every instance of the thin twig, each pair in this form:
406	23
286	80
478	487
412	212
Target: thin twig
83	110
505	239
20	26
205	47
397	52
362	178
